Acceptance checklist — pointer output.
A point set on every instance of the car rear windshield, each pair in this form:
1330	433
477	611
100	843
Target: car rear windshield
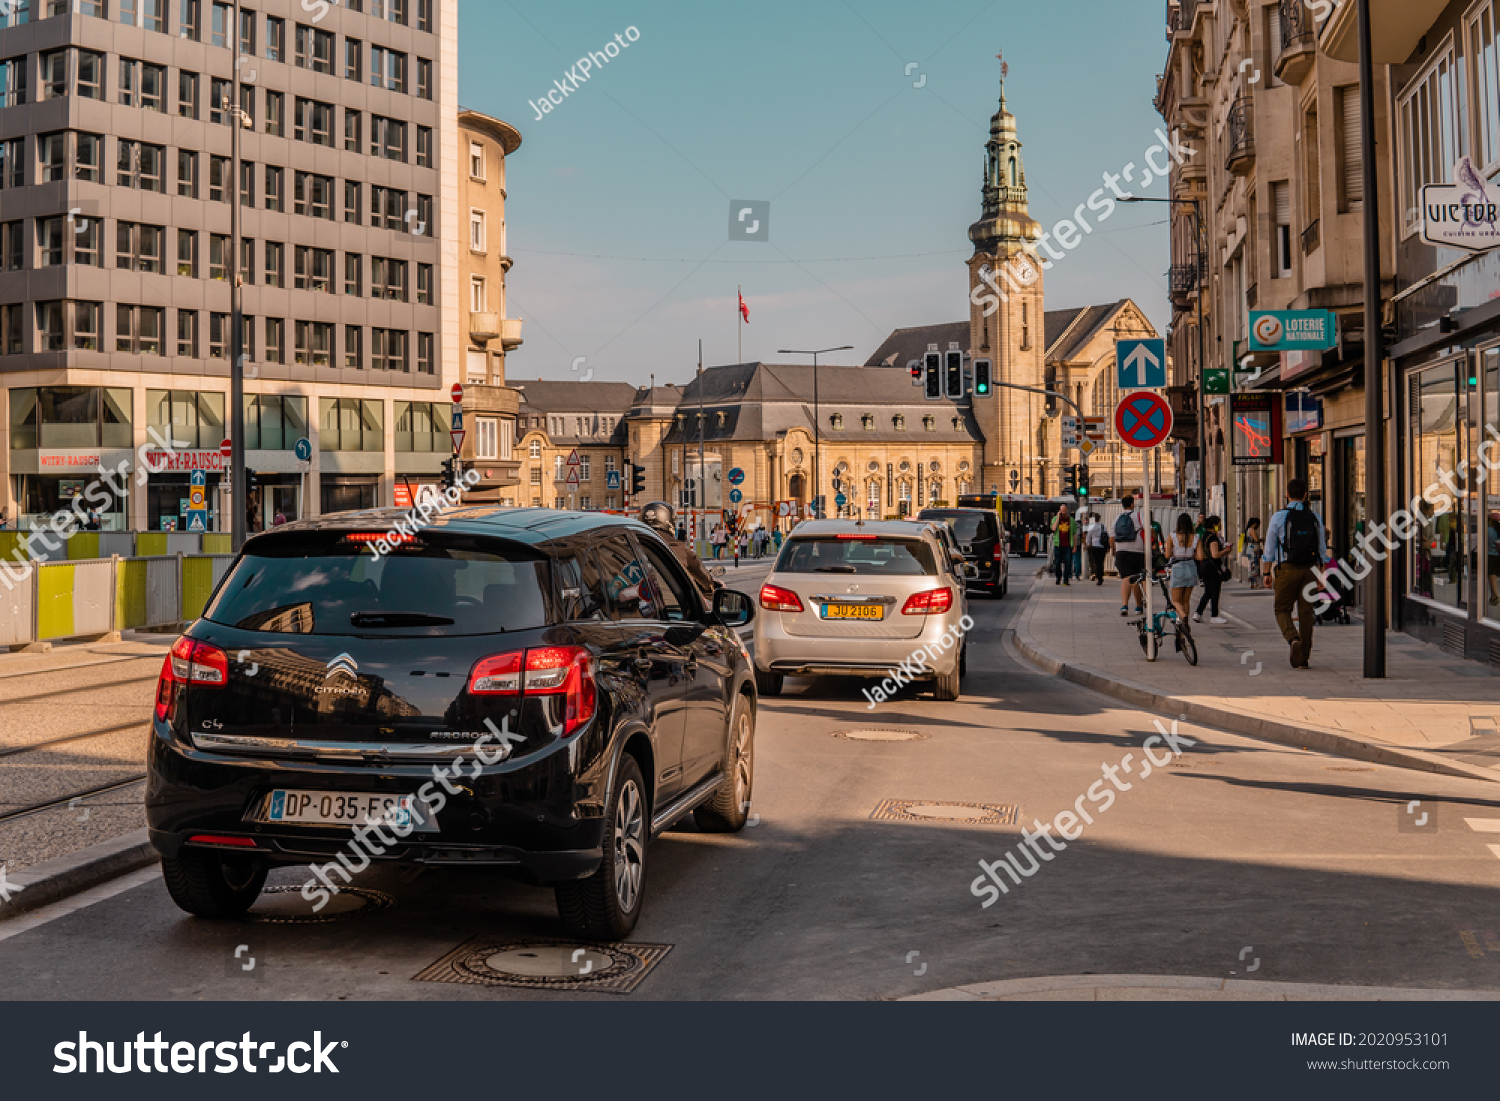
872	556
968	526
329	584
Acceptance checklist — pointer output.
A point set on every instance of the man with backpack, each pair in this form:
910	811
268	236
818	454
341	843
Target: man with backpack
1128	542
1094	540
1295	543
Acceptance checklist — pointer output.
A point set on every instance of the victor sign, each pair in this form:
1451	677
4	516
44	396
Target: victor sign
1464	214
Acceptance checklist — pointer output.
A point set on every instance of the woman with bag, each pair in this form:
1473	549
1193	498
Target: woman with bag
1253	547
1183	557
1212	570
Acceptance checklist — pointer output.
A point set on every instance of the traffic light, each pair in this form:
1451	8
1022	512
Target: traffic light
981	377
955	376
250	483
916	372
449	472
932	368
1083	483
1070	481
637	479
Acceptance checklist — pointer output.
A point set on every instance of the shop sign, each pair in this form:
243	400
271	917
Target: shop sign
1464	214
183	462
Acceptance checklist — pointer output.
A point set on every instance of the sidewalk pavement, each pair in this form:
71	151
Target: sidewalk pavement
1175	988
1434	711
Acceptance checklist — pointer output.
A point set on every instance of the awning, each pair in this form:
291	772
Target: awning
1396	28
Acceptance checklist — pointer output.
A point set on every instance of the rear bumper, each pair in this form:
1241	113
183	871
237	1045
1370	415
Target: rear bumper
778	652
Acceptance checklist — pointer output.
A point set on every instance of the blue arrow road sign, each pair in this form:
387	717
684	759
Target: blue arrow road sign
304	449
1141	364
735	496
841	500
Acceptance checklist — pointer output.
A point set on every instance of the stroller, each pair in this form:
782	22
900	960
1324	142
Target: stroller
1335	587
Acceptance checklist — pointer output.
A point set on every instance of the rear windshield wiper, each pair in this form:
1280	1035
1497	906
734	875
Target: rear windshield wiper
399	619
836	569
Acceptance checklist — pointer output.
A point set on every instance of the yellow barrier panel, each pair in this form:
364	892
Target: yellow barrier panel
54	609
83	546
10	543
197	584
151	544
218	543
130	594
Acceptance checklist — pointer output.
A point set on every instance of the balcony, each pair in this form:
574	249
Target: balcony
1183	280
510	333
1310	238
1240	157
487	326
1299	42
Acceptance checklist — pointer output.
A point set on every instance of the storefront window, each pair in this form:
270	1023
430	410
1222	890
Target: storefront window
196	419
420	427
42	496
1437	426
61	418
274	422
349	424
1489	446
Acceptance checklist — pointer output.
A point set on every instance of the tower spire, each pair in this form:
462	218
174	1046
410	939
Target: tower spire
1005	223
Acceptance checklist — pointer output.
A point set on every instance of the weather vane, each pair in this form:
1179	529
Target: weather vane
1004	65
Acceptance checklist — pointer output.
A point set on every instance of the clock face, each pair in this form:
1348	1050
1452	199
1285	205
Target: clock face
797	455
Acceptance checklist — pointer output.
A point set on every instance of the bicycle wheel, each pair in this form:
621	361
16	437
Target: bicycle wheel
1187	645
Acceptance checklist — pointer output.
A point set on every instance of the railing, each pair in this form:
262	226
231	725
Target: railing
1296	28
1241	138
1310	238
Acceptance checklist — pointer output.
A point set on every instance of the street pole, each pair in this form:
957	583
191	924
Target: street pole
1374	405
1150	582
817	419
702	493
239	497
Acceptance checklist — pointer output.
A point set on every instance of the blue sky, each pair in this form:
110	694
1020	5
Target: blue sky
619	202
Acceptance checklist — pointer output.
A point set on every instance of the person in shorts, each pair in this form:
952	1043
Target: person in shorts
1127	540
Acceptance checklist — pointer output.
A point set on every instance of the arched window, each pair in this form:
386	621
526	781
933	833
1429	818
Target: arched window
1013	172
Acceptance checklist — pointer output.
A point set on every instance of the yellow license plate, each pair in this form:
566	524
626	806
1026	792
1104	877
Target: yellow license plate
853	611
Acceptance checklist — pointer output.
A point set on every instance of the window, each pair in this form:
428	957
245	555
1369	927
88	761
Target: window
314	49
1439	402
424	78
218	179
138	329
1350	167
313	269
388	350
52	75
139	247
218	27
247	261
89	79
836	422
275	188
424	147
218	256
10	330
585	468
51	243
535	451
352	207
349	424
188	15
187	334
13	82
141	84
247	183
427	356
424	284
139	165
187	254
388	278
388	69
387	208
12	164
476	161
10	246
51	336
478	298
1431	133
313	194
393	11
247	32
274	422
218	335
1484	48
354	347
354	52
425	226
275	264
143	13
424	15
1281	230
275	38
387	138
352	131
314	343
275	340
899	422
52	156
88	157
929	423
476	231
218	100
313	122
275	114
187	173
187	94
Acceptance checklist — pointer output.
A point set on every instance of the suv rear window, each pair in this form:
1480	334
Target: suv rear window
441	585
872	556
967	526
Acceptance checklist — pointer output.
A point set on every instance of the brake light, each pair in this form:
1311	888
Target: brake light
229	842
393	538
932	602
776	599
863	538
190	662
544	671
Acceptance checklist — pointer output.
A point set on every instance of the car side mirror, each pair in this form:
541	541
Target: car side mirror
733	609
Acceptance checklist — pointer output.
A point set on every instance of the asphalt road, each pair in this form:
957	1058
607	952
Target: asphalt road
1309	862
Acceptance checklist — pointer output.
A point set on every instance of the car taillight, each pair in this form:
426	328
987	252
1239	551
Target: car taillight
544	671
776	599
932	602
393	538
189	662
862	538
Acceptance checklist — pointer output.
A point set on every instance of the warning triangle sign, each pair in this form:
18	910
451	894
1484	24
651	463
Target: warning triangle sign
573	477
458	435
573	459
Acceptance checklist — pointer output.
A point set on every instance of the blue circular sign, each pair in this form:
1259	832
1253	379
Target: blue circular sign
1143	419
735	496
841	500
736	476
304	449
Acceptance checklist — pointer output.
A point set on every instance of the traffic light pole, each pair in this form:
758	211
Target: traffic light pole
1046	393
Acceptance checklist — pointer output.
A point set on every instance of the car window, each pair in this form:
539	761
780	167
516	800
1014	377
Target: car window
668	593
967	526
623	575
329	584
580	586
872	555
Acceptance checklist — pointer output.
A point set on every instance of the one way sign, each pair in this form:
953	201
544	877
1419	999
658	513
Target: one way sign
1141	364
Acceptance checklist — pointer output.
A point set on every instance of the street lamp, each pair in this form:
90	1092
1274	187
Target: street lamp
239	493
1197	279
817	417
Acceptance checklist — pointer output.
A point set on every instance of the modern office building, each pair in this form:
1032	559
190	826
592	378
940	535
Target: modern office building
116	191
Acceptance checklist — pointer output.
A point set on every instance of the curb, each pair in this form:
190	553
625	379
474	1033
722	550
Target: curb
52	880
1321	739
1118	988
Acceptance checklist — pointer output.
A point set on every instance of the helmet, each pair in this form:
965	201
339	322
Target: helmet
659	515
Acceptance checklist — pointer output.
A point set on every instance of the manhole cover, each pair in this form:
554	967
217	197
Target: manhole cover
286	906
881	734
928	810
486	961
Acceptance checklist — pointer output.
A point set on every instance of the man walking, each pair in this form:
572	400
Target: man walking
1295	543
1094	540
1128	541
1063	532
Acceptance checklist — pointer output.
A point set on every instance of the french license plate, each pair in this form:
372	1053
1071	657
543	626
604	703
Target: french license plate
341	808
853	611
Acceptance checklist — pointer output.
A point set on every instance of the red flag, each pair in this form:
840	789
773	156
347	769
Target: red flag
744	310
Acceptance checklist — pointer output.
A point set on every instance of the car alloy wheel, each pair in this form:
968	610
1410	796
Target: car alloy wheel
630	844
743	760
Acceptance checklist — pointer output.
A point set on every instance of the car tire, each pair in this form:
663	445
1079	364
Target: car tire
963	661
205	885
946	686
729	809
605	906
768	684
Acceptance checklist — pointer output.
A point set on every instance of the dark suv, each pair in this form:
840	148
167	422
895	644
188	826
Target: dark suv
535	691
982	540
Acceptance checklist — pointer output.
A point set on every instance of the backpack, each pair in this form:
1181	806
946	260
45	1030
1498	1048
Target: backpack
1125	528
1300	537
